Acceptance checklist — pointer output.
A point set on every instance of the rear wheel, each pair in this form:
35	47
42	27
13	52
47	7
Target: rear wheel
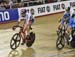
72	43
60	43
15	41
67	40
30	39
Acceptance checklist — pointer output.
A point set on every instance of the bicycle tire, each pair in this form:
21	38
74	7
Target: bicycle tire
16	40
60	41
31	39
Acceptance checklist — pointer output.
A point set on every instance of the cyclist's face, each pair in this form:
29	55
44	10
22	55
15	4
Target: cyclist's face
23	12
32	12
68	11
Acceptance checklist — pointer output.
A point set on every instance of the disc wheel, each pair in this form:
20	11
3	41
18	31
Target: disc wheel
30	39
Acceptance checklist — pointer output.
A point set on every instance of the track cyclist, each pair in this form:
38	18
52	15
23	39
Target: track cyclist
28	21
71	26
65	19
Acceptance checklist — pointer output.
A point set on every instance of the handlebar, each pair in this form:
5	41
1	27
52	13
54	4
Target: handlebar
14	27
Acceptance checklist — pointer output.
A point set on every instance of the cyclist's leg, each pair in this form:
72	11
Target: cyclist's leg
61	24
31	22
28	27
24	34
23	40
73	32
59	28
69	33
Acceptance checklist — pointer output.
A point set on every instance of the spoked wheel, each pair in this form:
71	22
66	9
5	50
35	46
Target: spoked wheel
15	41
30	39
60	43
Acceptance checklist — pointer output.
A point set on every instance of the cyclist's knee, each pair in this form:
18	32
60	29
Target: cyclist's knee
60	26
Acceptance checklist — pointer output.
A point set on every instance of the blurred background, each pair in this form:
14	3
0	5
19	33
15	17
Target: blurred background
8	4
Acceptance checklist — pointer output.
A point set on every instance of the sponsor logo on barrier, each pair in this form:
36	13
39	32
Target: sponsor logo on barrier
43	9
29	10
48	8
15	14
8	15
4	16
56	7
63	6
72	4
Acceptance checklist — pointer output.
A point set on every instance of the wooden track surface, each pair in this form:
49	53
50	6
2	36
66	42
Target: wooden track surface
45	44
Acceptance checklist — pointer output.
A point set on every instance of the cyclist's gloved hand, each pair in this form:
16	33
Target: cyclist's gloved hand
13	28
59	20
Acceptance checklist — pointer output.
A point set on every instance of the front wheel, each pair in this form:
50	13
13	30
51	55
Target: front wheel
60	43
15	41
30	39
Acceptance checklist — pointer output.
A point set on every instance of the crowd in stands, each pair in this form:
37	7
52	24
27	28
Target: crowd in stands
8	4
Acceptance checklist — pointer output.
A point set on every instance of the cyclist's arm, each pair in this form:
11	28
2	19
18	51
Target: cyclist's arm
28	17
18	22
61	19
70	23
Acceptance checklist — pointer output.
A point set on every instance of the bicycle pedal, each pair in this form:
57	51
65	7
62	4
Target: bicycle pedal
27	36
30	28
22	43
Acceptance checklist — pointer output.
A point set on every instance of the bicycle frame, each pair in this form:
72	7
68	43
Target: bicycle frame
21	32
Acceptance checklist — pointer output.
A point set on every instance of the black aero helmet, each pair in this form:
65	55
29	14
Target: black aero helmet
73	15
68	9
32	11
23	10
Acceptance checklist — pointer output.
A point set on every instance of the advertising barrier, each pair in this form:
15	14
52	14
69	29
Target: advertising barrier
39	10
8	15
49	8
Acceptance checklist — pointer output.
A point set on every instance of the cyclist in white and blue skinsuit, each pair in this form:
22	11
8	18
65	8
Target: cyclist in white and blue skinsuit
65	18
71	26
28	21
67	15
71	11
72	21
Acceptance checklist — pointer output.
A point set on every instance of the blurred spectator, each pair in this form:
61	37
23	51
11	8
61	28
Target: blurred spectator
64	0
6	5
50	1
1	1
14	1
2	8
58	0
10	3
46	1
18	1
71	0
